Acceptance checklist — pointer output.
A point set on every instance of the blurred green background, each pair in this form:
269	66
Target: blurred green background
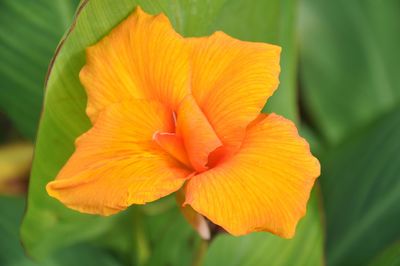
340	82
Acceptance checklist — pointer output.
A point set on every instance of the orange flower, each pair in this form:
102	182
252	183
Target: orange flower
171	112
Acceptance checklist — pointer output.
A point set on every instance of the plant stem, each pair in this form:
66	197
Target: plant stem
200	253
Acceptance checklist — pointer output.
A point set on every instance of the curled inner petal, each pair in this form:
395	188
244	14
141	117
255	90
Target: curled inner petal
198	135
194	139
172	144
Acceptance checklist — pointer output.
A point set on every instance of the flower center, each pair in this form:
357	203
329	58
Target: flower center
192	140
173	144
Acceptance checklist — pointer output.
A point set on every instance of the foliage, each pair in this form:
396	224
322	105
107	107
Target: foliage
29	33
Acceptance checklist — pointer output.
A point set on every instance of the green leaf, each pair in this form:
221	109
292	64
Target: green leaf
361	189
389	257
265	249
171	239
48	225
82	254
349	63
12	253
27	43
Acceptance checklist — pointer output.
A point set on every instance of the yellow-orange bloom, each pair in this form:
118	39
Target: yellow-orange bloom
171	112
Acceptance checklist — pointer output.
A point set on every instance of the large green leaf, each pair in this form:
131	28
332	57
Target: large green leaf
361	188
349	62
389	257
29	33
48	225
171	240
12	253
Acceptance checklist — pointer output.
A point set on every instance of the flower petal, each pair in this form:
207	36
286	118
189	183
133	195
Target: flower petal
198	136
231	81
142	58
116	163
265	187
172	144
